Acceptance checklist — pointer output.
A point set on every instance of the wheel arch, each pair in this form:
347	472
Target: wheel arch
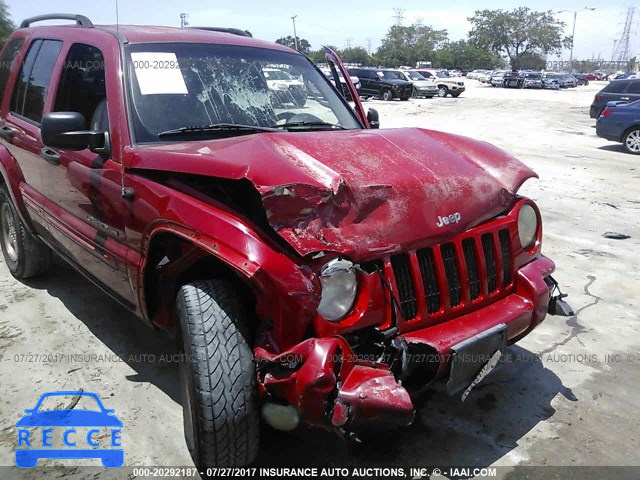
282	295
627	130
11	176
173	258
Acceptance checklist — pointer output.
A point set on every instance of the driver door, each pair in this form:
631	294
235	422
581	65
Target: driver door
85	212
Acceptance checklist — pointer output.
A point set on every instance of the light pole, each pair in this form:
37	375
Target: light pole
613	52
573	30
295	35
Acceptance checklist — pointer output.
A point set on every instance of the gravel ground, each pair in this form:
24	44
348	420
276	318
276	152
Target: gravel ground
570	394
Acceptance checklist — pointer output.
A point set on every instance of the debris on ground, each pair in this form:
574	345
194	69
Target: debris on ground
616	235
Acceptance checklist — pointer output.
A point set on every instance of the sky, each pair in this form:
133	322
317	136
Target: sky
343	23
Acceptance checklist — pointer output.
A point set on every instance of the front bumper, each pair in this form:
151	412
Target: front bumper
426	92
333	386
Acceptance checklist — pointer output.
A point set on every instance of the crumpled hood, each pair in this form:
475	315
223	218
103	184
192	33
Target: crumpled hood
362	193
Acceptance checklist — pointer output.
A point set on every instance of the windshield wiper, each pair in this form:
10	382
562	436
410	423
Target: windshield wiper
215	127
311	125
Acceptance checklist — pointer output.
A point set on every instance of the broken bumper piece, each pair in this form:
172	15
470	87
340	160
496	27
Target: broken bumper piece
329	385
319	378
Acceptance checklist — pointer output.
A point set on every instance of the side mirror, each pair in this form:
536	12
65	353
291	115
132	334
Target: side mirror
373	117
68	130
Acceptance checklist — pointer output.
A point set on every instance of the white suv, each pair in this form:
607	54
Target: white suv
446	84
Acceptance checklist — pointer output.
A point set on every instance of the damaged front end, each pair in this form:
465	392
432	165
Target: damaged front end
449	312
321	379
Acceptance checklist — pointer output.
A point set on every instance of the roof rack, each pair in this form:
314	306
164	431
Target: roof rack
233	31
80	20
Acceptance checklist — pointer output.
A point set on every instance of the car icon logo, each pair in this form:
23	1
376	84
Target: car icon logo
32	447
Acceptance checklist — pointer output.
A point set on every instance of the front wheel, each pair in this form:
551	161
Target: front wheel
631	141
25	255
217	376
443	91
386	95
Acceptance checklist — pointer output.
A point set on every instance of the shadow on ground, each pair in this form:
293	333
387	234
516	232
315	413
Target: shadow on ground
120	330
447	431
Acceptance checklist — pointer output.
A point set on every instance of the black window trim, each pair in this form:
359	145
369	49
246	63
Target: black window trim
21	43
33	40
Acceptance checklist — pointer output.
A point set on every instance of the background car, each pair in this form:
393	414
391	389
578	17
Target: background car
422	87
582	79
446	84
383	83
485	76
567	80
345	90
497	78
512	80
617	90
620	122
284	87
532	80
550	82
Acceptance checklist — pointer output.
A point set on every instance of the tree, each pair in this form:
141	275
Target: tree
408	45
532	61
356	55
303	45
463	55
6	25
517	33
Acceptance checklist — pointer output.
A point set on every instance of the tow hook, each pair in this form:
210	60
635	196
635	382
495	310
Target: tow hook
557	306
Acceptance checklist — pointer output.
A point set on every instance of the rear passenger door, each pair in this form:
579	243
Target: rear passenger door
632	93
21	123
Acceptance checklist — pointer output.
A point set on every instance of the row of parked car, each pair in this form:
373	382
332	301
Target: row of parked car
389	84
529	79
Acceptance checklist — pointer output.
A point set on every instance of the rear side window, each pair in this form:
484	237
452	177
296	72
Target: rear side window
7	60
634	87
31	88
616	86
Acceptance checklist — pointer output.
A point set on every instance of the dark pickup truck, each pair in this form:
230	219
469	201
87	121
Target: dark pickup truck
385	84
312	269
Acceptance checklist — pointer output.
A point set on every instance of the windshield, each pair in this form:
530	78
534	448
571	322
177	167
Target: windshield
415	76
392	75
442	74
176	85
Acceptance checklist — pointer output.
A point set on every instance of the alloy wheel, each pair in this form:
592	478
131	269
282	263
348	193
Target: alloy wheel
632	141
9	232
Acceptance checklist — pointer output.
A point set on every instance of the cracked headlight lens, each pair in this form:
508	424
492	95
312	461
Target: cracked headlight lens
527	226
339	287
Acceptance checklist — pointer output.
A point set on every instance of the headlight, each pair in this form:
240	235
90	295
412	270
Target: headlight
339	286
527	226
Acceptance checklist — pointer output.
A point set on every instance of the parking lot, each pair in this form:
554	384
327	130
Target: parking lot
568	394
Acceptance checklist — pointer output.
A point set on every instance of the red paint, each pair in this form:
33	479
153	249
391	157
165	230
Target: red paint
363	194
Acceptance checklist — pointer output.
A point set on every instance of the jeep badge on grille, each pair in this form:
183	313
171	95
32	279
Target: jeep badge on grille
453	218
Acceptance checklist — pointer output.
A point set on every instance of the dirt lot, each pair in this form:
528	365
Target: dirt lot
569	394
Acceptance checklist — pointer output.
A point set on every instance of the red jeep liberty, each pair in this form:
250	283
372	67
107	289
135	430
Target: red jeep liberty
313	269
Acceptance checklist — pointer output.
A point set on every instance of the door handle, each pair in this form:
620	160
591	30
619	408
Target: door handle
50	156
624	98
6	133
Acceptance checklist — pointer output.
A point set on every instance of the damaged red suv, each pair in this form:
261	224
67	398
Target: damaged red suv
313	269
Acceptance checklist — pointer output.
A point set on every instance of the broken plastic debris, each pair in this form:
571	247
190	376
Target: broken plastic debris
616	235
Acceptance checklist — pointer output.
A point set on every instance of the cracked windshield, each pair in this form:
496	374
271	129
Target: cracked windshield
199	90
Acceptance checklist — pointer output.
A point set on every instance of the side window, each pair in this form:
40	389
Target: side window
634	87
31	88
7	60
616	86
82	86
